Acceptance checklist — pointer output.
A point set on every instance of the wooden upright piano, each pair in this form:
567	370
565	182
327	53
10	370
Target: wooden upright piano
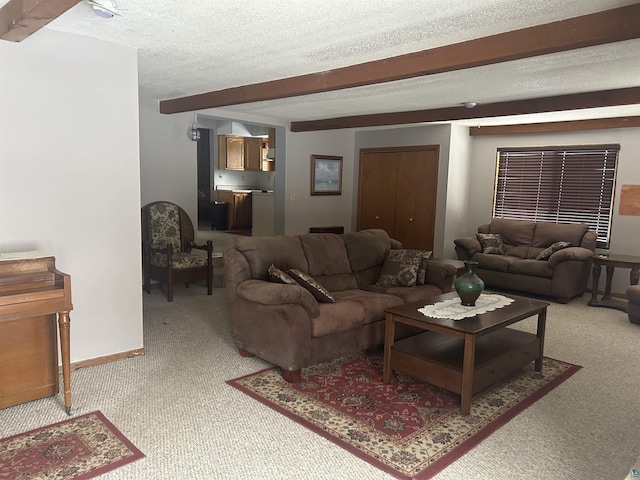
32	294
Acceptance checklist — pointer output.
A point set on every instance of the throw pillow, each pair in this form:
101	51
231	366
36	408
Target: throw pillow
422	269
551	249
400	268
320	293
491	243
278	276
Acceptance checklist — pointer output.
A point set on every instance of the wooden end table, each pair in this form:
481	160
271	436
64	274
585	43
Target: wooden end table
611	262
464	356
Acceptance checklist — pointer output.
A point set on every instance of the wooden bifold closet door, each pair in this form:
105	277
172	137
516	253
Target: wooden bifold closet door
397	192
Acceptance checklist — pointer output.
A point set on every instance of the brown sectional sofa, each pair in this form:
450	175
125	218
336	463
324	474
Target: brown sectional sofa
286	326
563	275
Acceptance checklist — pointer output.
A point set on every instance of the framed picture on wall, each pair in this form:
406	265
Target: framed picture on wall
326	175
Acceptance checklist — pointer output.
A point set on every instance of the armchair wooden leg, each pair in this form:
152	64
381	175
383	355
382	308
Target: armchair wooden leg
170	287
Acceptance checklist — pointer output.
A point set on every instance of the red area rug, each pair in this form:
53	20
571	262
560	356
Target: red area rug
407	428
79	448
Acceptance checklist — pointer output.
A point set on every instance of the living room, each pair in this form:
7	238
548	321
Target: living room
83	148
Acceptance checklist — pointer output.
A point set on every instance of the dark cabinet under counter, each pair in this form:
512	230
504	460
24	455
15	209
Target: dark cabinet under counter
239	213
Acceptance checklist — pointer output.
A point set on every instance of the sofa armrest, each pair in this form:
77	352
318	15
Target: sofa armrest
440	274
271	293
570	253
467	247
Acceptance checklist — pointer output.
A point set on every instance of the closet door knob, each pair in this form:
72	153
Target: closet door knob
377	217
411	219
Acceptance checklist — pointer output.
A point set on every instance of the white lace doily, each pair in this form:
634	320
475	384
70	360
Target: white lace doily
454	310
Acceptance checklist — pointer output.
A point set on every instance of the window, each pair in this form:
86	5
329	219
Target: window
558	184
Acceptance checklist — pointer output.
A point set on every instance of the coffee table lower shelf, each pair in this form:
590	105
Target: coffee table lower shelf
437	359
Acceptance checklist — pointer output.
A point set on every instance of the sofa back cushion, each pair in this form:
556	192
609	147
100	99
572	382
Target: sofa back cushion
328	262
517	235
548	233
283	251
367	250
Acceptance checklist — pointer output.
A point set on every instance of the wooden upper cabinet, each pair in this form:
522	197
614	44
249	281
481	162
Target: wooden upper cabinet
253	153
230	153
239	153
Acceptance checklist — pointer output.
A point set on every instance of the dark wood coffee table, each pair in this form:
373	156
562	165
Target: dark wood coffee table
464	356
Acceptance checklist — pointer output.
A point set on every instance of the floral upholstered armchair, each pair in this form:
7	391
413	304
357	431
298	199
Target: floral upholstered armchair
167	244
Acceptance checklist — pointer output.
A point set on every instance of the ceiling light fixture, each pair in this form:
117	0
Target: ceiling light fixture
104	8
194	133
470	104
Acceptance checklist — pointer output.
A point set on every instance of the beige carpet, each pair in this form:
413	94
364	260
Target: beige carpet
174	405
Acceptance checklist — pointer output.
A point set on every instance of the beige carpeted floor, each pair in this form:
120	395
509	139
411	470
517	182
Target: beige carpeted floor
174	405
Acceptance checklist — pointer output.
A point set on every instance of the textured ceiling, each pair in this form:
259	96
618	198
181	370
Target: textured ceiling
186	48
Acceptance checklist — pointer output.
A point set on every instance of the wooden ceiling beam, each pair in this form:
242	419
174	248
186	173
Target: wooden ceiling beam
21	18
585	31
576	101
566	126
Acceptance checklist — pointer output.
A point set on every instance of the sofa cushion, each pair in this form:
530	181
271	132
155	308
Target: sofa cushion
551	249
374	303
337	317
326	254
531	268
320	293
285	251
491	243
367	248
517	235
400	268
278	276
548	233
408	294
488	261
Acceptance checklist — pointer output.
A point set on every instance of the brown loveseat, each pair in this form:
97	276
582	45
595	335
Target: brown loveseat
286	326
563	274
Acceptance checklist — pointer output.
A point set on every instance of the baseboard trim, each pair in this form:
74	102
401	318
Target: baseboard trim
92	362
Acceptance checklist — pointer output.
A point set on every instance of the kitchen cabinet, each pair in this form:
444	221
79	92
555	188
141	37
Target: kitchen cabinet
230	153
253	153
239	209
397	192
239	153
268	152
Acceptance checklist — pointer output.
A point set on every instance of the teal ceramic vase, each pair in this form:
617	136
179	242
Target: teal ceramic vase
468	285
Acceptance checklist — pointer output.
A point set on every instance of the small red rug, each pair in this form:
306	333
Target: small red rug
407	428
76	449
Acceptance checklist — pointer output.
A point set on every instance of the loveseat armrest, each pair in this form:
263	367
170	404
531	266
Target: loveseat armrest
467	247
570	253
271	293
440	274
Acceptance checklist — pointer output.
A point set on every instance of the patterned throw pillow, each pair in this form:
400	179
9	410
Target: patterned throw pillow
320	293
422	269
400	268
491	243
278	276
551	249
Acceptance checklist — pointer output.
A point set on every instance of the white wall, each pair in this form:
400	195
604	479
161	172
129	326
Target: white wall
318	210
624	229
458	183
168	159
69	177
